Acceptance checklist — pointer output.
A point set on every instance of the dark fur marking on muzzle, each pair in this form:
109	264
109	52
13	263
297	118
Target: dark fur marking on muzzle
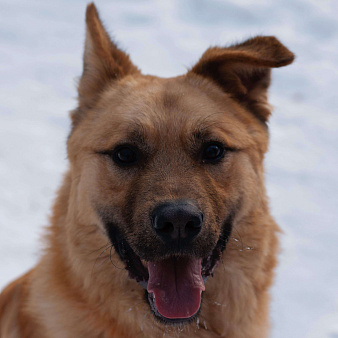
133	262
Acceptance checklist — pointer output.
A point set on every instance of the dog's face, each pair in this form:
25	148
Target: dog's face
166	165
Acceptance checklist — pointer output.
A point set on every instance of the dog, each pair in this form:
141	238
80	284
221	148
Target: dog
161	226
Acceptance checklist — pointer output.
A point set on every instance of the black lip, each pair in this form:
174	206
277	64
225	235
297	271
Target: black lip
127	255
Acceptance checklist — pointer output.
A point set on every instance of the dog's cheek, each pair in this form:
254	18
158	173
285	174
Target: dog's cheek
93	188
249	182
81	195
227	191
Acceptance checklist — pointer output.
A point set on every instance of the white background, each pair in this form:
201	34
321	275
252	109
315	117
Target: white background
40	57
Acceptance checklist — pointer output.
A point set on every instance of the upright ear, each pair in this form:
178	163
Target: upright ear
103	62
243	70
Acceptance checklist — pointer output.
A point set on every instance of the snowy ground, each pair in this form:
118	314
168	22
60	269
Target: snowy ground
40	57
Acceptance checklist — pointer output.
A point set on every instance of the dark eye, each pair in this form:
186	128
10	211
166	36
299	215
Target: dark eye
126	155
213	153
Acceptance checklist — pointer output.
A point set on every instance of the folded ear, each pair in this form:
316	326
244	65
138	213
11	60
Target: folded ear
243	70
103	62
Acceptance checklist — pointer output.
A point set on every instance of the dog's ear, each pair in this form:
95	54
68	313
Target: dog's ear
243	70
103	61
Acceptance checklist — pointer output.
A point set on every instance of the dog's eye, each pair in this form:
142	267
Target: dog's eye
126	155
213	152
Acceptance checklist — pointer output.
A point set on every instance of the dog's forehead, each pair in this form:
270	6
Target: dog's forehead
160	100
162	109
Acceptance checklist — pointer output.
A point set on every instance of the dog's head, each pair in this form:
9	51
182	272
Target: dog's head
167	165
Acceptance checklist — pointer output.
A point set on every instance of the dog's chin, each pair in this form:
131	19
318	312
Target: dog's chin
174	285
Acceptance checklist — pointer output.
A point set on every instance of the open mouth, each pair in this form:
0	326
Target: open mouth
173	286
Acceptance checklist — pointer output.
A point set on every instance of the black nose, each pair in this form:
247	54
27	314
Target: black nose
177	223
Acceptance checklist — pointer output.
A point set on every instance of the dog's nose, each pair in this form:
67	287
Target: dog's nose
177	223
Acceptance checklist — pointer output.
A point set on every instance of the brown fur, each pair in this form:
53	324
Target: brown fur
75	290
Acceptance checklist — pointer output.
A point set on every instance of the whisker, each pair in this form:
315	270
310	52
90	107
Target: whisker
99	256
112	260
107	245
75	178
223	263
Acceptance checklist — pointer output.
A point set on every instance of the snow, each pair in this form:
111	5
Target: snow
40	57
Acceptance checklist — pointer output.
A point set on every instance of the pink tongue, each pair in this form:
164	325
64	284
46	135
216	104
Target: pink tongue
177	285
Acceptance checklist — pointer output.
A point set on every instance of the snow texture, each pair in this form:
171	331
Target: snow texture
41	46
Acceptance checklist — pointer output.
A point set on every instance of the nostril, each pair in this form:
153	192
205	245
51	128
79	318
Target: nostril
192	225
167	227
162	225
195	223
